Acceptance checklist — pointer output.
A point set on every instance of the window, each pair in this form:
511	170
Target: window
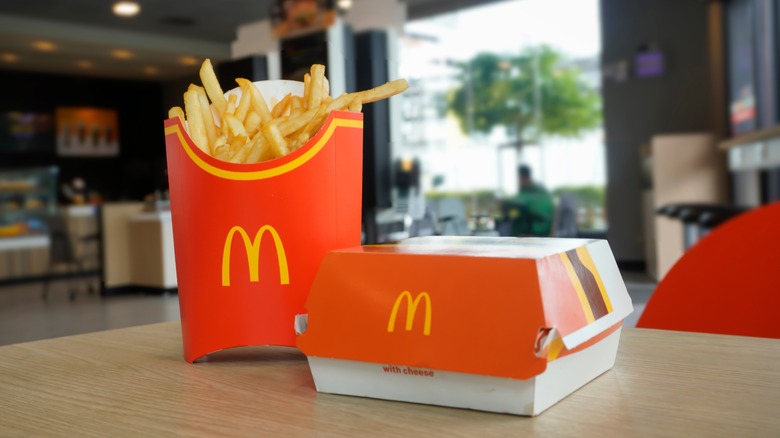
499	85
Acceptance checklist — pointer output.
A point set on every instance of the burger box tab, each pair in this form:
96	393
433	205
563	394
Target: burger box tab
500	324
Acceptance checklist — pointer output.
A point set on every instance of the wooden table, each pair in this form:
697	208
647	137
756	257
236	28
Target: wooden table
134	382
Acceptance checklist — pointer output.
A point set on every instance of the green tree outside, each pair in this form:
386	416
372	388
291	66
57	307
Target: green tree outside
533	94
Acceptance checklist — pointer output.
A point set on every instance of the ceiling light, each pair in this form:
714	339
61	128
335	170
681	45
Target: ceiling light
126	9
188	60
44	46
9	57
122	54
85	64
151	70
344	4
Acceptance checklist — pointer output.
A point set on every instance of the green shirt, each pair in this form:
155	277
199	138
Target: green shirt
531	211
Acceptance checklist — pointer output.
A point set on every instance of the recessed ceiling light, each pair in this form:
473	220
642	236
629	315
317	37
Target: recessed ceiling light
122	54
126	9
44	46
344	4
188	60
9	57
151	70
85	64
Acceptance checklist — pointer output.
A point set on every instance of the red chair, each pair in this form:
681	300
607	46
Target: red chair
727	283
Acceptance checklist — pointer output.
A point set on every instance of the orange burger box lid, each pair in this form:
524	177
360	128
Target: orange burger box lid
509	325
249	238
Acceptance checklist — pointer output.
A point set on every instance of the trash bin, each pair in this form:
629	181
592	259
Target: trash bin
699	219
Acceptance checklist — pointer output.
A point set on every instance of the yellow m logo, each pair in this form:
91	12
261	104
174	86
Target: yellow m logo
253	254
411	309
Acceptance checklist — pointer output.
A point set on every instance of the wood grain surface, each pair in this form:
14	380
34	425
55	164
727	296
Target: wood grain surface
134	382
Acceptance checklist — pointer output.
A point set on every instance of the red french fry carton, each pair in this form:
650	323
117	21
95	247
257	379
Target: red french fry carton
499	324
249	238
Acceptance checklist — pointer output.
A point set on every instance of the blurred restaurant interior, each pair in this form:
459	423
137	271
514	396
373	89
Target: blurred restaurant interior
648	123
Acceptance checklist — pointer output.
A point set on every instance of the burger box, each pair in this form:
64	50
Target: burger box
249	238
509	325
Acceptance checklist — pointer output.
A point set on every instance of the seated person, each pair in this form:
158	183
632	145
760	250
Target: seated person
530	212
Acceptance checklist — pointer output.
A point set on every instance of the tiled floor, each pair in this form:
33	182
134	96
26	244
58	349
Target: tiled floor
25	316
640	287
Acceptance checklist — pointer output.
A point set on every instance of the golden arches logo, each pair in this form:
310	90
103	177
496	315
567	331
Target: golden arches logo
411	310
252	248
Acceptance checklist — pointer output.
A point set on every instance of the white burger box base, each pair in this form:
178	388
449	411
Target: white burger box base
469	391
551	323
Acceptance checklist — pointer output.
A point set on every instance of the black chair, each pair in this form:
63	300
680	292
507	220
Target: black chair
63	253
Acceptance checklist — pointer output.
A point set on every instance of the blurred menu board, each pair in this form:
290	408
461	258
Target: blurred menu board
26	132
83	131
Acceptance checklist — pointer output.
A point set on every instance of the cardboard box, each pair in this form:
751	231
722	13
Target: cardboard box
496	324
249	238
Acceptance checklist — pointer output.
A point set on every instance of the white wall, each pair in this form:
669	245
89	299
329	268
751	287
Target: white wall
376	14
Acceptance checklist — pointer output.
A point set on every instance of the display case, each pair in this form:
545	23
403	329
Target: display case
27	198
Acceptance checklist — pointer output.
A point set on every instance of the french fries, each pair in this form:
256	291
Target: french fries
247	130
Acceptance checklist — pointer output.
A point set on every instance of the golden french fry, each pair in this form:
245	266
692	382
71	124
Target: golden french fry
238	149
195	120
325	88
311	128
277	144
257	148
211	84
237	142
282	108
208	118
242	110
297	102
243	154
340	102
300	141
221	141
296	106
383	91
223	152
306	88
176	112
231	105
294	123
252	123
257	101
235	127
356	105
315	88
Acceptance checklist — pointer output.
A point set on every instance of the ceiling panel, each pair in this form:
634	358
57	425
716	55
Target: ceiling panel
86	31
